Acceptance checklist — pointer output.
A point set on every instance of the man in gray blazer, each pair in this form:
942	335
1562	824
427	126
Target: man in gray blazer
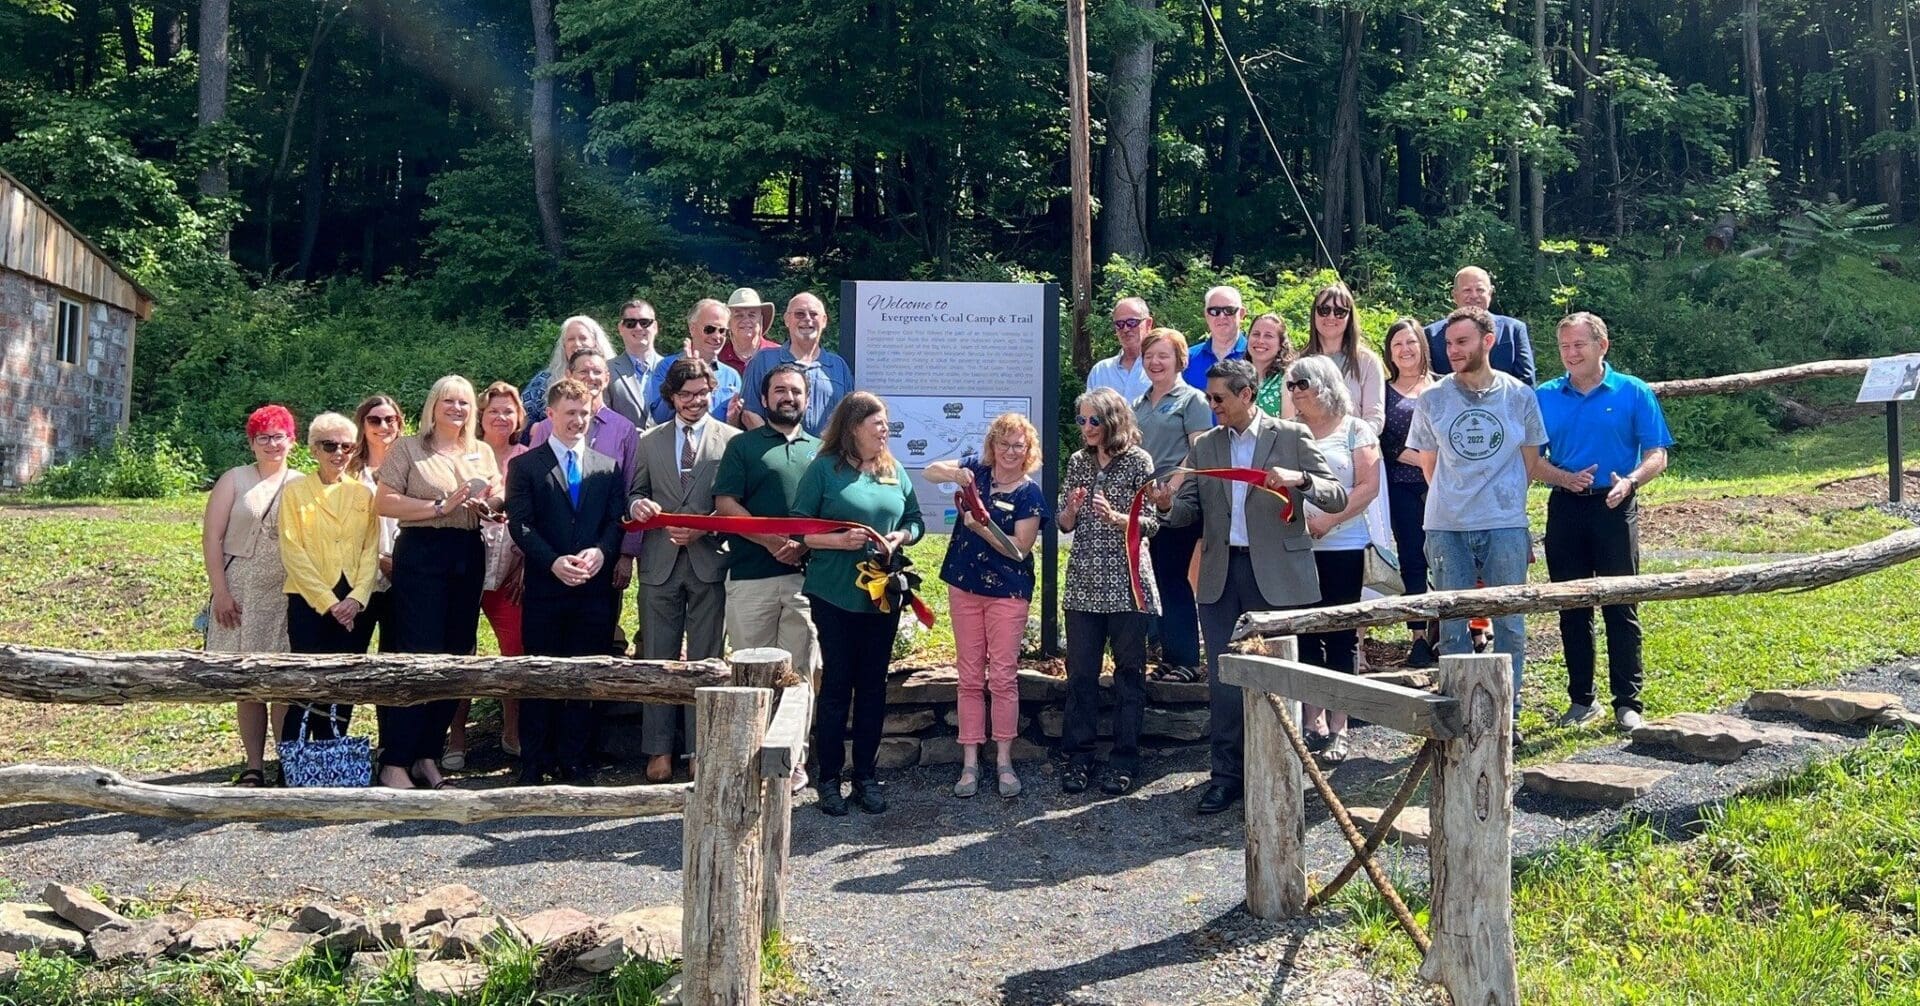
633	372
684	572
1251	559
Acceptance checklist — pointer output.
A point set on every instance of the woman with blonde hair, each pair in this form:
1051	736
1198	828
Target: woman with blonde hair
501	422
576	333
239	539
1270	353
989	581
438	484
1334	332
1101	480
330	546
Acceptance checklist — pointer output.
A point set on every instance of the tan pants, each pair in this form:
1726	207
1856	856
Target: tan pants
772	611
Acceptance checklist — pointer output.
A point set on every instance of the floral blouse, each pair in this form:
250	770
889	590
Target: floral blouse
1097	579
977	567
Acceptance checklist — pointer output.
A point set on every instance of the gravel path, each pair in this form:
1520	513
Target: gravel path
1045	899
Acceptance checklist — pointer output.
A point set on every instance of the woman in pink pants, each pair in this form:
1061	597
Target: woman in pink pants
990	587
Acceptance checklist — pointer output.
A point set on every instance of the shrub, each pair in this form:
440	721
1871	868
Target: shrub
138	464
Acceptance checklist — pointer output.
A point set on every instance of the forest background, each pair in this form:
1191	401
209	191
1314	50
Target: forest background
333	198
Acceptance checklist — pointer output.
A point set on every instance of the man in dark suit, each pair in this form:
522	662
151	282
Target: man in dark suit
1251	559
684	571
564	503
1512	348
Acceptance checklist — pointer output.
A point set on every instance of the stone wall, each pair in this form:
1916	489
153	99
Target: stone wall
50	411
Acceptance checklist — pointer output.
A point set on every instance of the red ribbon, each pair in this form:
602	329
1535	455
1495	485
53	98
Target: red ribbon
1254	477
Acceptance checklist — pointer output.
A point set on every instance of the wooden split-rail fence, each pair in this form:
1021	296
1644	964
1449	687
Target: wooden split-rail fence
753	715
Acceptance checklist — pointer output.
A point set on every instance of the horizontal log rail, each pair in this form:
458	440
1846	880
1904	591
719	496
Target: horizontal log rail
1408	710
1806	572
42	674
1728	384
103	789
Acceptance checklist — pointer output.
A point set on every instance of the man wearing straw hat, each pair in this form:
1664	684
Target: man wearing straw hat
747	328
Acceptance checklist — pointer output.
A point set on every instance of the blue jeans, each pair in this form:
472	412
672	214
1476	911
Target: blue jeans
1455	560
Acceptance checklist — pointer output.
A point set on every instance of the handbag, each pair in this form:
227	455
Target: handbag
1382	570
500	553
339	761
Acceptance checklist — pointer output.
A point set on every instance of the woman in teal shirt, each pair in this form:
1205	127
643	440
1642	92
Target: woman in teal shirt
853	479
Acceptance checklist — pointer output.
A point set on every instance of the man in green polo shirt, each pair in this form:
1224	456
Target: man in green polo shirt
758	474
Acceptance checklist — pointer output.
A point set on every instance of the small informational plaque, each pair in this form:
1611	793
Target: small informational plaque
1891	379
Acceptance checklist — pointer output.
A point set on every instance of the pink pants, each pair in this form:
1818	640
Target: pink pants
986	638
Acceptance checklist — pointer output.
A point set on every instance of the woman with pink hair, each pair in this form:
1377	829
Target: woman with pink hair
240	541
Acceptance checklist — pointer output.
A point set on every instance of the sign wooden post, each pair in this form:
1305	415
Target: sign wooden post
722	851
1275	803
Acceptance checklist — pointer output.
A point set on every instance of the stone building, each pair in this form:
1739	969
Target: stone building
67	317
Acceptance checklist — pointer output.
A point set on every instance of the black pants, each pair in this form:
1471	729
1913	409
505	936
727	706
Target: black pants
1407	515
308	631
556	734
1089	634
1178	623
855	649
437	574
1585	537
1341	573
1226	717
378	616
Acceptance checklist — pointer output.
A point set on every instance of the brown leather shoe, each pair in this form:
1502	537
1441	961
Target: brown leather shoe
660	768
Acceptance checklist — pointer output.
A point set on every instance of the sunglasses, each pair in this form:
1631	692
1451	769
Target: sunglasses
384	420
636	323
1221	311
333	446
1087	420
1219	399
1331	311
1126	324
713	329
1299	385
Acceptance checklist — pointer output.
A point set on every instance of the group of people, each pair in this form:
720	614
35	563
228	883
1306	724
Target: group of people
510	503
1419	461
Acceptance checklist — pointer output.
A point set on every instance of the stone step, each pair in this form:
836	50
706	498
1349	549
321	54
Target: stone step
1186	723
1592	782
1823	705
1719	737
1410	827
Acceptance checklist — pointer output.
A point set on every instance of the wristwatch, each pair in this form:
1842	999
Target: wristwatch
1631	481
440	507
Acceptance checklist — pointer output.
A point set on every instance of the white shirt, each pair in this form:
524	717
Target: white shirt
1131	383
1240	449
561	450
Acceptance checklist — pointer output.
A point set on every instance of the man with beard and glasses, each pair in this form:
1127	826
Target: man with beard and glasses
759	471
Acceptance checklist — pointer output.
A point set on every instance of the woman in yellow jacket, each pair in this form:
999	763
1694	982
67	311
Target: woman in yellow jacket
330	546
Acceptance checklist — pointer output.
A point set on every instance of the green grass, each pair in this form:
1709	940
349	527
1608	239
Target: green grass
1804	895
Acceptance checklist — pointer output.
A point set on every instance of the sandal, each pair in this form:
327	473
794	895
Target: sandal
1336	751
1009	783
252	778
1182	675
969	783
1116	781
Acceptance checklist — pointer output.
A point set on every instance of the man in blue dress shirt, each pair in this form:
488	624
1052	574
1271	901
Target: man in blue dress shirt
1606	437
1224	340
706	334
1512	348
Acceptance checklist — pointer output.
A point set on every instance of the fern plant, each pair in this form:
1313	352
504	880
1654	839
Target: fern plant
1811	239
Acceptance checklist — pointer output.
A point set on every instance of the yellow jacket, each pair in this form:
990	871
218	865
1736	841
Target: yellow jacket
327	532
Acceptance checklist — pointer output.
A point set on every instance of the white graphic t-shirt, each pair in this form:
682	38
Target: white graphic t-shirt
1479	477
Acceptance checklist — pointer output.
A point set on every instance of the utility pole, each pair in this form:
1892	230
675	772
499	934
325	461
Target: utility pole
1079	155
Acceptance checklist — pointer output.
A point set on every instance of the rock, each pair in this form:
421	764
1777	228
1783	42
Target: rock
1592	782
9	966
895	752
470	937
1188	723
275	949
448	903
908	721
1038	687
431	938
78	907
1896	719
1176	691
927	685
36	927
434	981
1405	678
212	936
1713	736
141	940
669	992
555	924
322	919
1410	827
1824	706
652	933
367	968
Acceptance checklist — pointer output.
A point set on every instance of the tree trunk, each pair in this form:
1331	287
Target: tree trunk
1887	162
1913	79
1342	164
1756	81
546	191
1410	191
168	28
1123	208
313	200
213	94
129	36
1536	174
1226	180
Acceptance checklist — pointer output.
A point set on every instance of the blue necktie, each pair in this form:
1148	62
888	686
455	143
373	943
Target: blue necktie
573	481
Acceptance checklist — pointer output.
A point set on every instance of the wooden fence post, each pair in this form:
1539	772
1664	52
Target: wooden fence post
1275	803
721	850
766	667
1471	851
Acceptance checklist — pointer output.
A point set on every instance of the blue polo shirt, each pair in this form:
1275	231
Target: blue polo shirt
1201	357
1610	427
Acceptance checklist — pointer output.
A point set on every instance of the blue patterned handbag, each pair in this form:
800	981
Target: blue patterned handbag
340	761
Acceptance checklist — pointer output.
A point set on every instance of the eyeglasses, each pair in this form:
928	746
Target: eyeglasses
1331	311
713	329
333	446
270	439
384	420
1222	311
688	396
1299	385
1127	324
636	323
1087	420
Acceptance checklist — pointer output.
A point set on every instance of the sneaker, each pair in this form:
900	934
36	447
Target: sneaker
1628	720
1422	655
1579	715
866	796
832	803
